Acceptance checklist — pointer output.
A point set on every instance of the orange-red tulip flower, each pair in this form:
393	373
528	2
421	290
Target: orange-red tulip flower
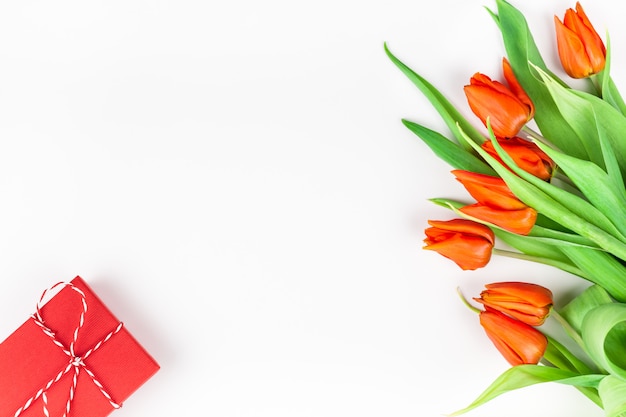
508	108
525	154
581	49
519	222
518	342
526	302
496	203
467	243
489	190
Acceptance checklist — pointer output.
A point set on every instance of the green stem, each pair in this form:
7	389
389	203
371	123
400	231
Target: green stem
532	134
597	85
467	304
616	97
571	332
566	183
546	261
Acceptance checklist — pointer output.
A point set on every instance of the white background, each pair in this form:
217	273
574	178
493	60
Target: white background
233	179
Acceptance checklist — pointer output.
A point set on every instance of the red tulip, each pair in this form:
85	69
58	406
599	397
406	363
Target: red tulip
526	302
525	154
496	204
508	108
518	342
488	190
465	242
581	49
519	222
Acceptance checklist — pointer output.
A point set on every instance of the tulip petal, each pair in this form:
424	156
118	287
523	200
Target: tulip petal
527	155
467	243
483	81
593	43
594	48
572	52
468	252
520	221
464	226
489	190
507	114
516	88
535	294
526	313
518	342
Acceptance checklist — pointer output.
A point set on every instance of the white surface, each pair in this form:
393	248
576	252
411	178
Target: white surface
234	181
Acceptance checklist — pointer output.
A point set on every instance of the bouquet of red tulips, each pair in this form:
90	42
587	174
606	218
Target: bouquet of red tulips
547	178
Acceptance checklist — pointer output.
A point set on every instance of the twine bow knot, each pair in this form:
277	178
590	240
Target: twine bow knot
77	361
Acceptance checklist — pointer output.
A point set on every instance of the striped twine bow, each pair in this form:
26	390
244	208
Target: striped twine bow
75	362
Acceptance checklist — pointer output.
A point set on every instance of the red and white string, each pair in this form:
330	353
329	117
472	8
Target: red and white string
77	363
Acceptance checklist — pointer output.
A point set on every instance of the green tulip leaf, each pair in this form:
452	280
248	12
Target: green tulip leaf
578	113
448	112
610	93
494	16
525	375
547	252
560	238
600	268
584	113
595	183
615	178
561	357
604	333
447	203
575	311
450	152
612	392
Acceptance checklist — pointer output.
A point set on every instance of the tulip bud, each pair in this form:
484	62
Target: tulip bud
581	49
518	342
519	221
496	203
508	108
529	303
525	154
467	243
488	190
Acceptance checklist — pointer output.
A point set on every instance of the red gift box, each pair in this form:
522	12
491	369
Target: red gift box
71	354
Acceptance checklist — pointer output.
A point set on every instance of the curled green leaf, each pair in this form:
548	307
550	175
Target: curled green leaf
612	392
604	333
